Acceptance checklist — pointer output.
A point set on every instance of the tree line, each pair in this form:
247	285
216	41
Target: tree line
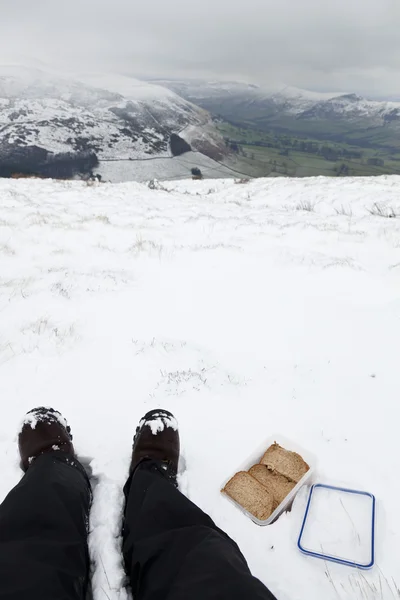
38	162
286	144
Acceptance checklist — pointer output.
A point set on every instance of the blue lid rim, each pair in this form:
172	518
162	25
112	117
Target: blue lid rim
327	556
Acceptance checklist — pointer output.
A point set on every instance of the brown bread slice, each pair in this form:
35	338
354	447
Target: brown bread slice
277	484
287	463
251	494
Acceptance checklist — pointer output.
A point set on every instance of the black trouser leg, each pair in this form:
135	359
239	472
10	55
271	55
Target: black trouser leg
43	532
174	551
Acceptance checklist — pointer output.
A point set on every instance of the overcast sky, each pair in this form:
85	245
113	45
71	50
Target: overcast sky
340	45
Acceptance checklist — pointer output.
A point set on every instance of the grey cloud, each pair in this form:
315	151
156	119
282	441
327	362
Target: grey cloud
349	45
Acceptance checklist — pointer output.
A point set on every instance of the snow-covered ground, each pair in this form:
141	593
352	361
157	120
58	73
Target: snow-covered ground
247	310
167	168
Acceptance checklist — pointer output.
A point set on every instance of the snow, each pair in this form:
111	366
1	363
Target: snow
129	87
45	122
201	88
298	94
176	167
237	310
158	425
30	419
33	417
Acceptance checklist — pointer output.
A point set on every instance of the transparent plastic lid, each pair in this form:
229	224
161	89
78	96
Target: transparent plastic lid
339	525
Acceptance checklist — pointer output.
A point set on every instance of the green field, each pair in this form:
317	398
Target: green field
268	154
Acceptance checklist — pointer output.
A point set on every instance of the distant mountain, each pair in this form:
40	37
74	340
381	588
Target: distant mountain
50	118
335	116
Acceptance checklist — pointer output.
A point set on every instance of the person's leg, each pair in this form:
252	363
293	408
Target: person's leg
172	549
43	520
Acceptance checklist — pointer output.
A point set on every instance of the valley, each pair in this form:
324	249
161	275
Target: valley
300	133
269	154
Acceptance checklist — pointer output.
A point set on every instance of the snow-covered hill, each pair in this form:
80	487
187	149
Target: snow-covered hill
248	310
347	107
241	99
114	116
314	105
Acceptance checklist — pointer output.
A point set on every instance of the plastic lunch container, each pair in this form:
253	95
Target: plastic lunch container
255	458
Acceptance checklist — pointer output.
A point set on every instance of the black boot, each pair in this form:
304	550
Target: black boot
44	430
157	439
